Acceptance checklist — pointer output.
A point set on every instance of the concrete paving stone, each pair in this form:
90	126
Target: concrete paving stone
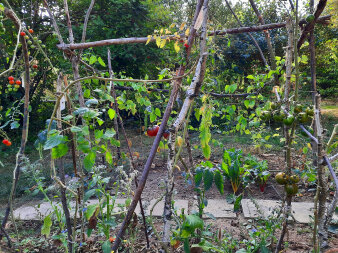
266	207
219	208
158	210
118	207
301	211
38	212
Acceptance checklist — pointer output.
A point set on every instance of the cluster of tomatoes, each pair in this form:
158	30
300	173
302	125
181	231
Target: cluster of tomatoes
13	85
30	42
7	142
289	182
298	114
152	131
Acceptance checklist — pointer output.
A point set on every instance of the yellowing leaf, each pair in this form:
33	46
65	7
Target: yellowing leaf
167	31
163	43
158	41
187	32
309	145
149	39
161	31
172	25
177	47
177	167
182	26
179	141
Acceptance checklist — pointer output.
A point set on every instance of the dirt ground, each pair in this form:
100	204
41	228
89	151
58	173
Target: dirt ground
299	236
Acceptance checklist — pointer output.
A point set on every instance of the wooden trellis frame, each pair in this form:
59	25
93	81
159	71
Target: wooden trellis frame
68	48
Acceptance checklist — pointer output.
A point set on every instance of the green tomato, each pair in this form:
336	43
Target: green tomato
289	120
310	18
309	112
303	117
298	108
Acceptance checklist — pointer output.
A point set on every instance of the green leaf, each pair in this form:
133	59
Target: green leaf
193	222
89	161
101	62
53	141
250	77
90	102
158	112
90	211
246	103
76	129
152	117
233	87
47	224
219	181
109	158
208	178
252	103
237	204
86	93
89	194
111	113
110	133
59	151
92	59
99	121
206	151
198	177
2	7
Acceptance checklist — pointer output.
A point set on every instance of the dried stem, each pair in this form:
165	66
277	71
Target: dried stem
20	155
265	63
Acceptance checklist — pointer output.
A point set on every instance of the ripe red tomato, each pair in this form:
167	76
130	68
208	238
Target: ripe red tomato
152	131
166	134
30	31
186	45
7	142
10	78
35	66
22	34
18	82
11	82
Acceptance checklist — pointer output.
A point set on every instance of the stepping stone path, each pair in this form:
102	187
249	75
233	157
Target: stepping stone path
218	208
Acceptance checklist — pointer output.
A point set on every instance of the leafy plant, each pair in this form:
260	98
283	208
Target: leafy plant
256	171
232	167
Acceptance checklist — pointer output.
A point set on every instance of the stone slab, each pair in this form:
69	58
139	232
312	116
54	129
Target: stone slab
219	208
265	206
38	212
158	210
301	211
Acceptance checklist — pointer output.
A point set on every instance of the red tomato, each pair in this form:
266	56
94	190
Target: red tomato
11	82
35	66
18	82
155	129
152	131
10	78
22	34
7	142
30	31
166	134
